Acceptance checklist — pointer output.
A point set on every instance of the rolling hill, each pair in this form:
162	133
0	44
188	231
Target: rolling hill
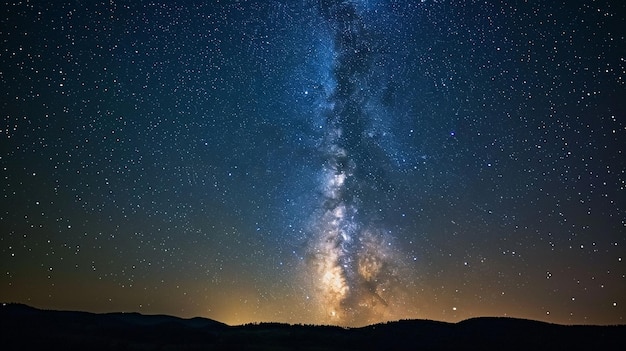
27	328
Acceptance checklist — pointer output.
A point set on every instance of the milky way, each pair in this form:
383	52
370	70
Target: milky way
356	271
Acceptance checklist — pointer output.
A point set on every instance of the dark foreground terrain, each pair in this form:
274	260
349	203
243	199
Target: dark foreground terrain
27	328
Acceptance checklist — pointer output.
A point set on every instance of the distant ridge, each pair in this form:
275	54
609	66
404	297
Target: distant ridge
26	328
130	318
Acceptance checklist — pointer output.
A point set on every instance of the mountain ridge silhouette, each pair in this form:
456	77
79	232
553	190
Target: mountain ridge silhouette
23	327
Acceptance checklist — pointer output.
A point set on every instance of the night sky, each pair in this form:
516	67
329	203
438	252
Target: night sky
315	161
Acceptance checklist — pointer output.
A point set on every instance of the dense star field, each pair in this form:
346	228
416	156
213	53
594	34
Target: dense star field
328	162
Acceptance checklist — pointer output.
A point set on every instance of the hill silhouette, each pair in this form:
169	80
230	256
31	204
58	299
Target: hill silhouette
27	328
